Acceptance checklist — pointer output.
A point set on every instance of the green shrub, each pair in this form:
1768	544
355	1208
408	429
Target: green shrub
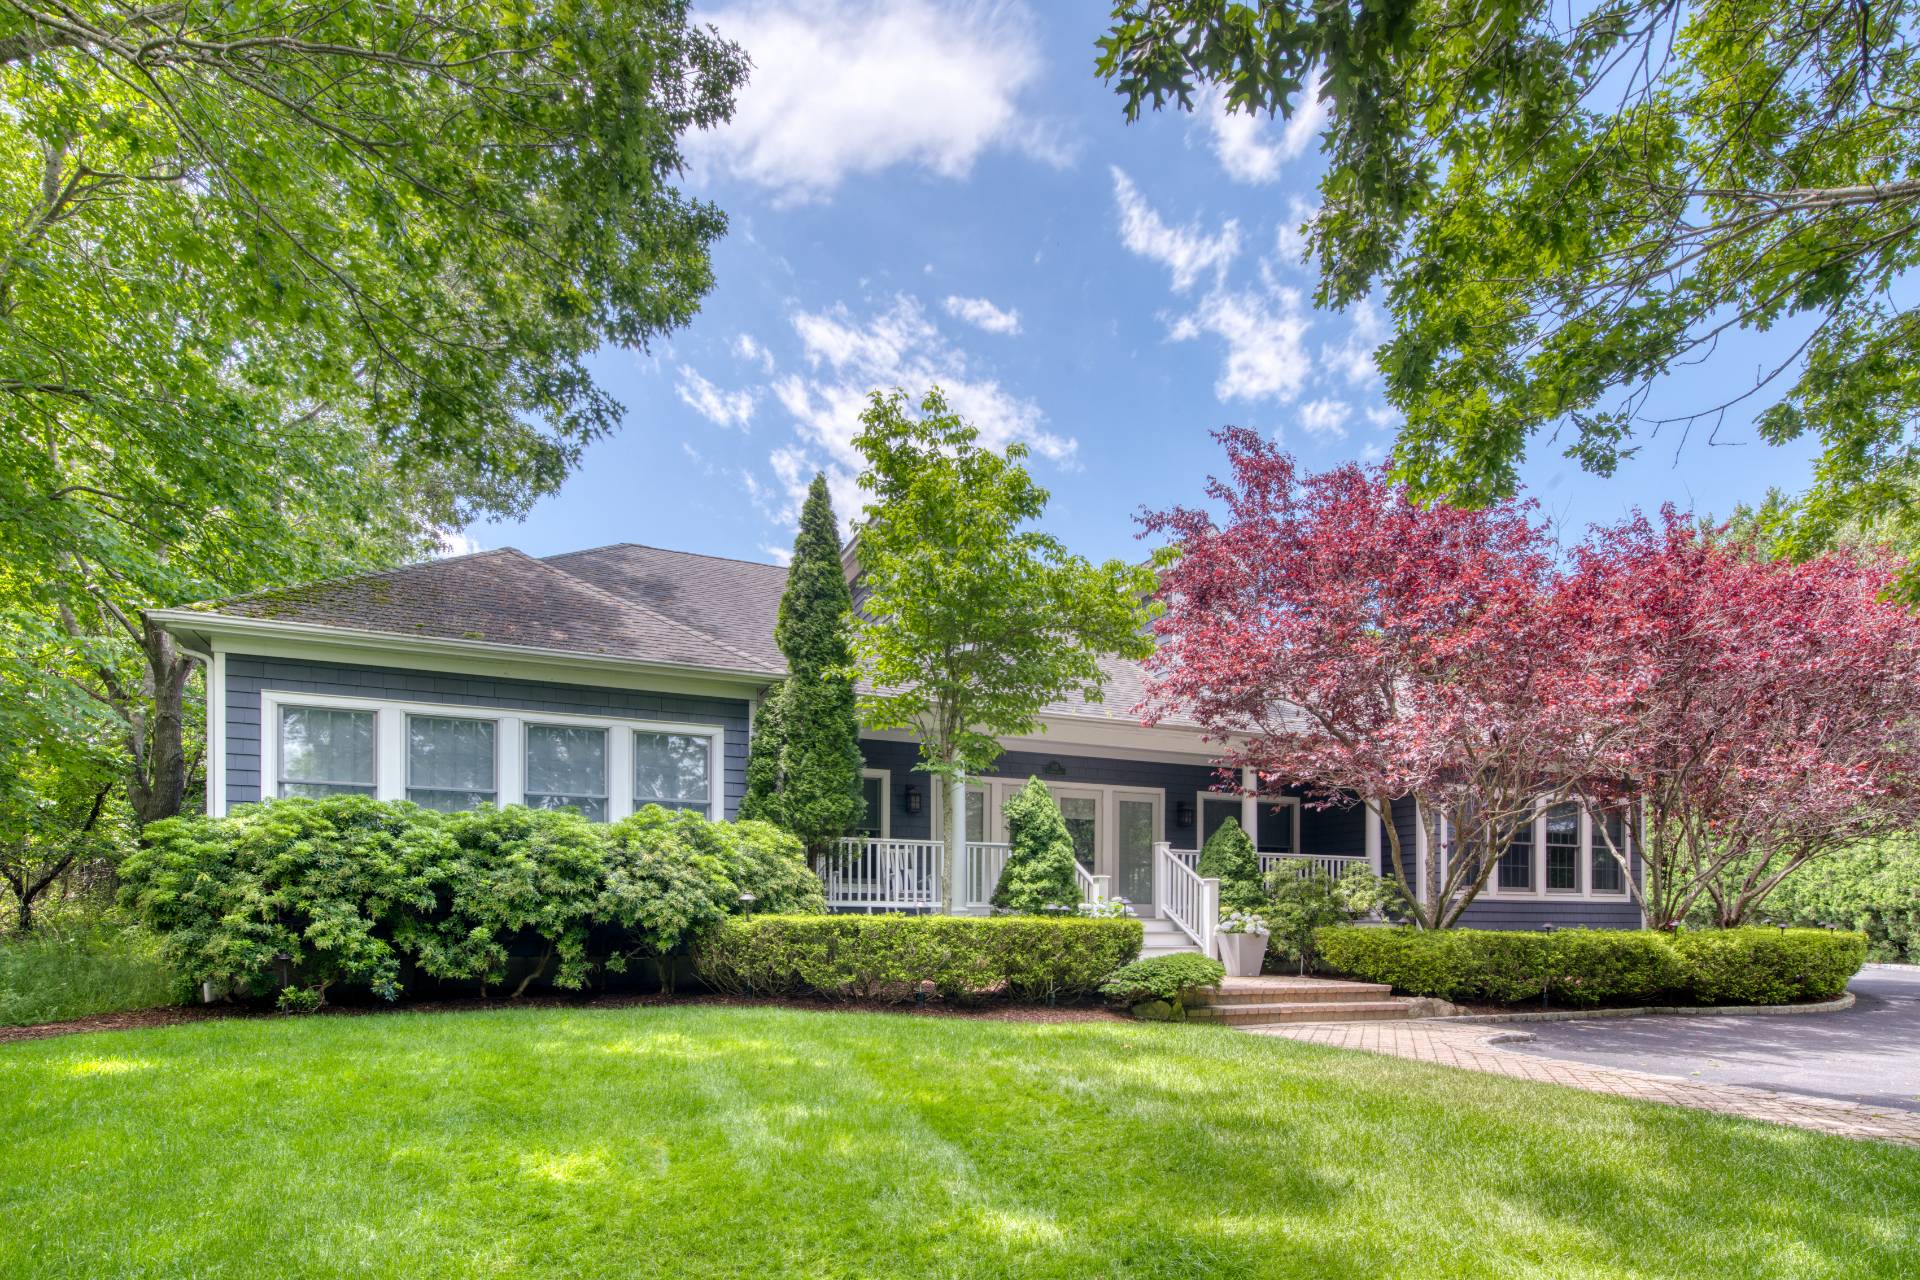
1768	966
1586	967
75	967
1039	871
1229	857
1167	978
1874	888
349	888
887	957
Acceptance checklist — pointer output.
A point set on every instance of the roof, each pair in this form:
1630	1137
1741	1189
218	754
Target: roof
626	602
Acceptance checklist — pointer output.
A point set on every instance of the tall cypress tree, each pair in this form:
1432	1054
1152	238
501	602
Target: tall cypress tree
819	776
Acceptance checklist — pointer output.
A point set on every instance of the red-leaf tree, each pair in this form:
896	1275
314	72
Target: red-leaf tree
1331	633
1775	714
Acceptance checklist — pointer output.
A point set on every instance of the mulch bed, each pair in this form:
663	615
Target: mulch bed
138	1019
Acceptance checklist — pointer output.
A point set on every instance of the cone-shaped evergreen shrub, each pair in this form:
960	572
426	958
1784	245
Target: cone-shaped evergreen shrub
761	803
1039	870
1230	858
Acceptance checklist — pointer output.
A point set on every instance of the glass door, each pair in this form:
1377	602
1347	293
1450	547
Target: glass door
1136	821
1081	809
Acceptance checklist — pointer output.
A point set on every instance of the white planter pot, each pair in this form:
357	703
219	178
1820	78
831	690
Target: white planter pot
1242	953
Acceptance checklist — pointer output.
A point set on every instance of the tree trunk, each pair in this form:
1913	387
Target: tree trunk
157	782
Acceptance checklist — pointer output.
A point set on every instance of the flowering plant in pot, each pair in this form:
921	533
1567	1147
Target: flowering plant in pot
1242	939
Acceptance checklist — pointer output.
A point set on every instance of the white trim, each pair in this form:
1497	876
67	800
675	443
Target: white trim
217	733
886	799
1372	828
390	744
1097	739
1538	891
308	643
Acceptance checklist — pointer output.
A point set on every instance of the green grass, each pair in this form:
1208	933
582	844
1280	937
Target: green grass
72	968
729	1141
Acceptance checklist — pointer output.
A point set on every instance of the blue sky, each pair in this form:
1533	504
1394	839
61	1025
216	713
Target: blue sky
926	192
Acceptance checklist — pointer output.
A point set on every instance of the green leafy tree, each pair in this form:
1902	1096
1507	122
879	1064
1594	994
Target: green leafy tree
285	286
1563	204
1229	857
761	801
815	791
972	620
1039	871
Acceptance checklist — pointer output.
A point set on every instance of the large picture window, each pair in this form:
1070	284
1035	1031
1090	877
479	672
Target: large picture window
450	762
1563	849
325	751
567	768
672	770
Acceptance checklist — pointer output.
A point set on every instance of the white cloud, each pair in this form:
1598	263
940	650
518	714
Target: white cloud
720	407
1380	417
1290	240
850	356
1263	331
1186	252
848	88
747	348
1352	359
454	542
982	314
1252	147
1325	417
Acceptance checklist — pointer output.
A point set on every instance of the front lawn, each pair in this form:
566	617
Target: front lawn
728	1141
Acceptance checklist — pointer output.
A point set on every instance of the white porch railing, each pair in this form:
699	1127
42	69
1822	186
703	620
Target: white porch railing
985	862
1184	896
1305	864
884	875
1093	888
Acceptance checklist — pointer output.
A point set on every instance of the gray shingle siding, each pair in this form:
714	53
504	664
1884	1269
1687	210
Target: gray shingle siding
247	677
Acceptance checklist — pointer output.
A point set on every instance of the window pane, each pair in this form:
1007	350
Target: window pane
1516	864
1607	876
567	766
1082	814
670	770
450	762
325	752
1276	828
873	795
1214	812
976	814
1563	849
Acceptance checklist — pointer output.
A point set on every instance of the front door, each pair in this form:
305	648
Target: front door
1136	821
1081	809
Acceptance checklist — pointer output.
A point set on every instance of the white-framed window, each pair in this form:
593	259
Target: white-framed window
876	790
325	751
452	757
1561	853
1560	849
672	770
1276	819
452	762
566	768
1609	879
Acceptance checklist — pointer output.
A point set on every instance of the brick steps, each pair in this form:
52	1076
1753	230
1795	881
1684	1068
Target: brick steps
1297	1011
1274	1000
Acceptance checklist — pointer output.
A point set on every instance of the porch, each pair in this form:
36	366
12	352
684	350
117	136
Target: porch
866	873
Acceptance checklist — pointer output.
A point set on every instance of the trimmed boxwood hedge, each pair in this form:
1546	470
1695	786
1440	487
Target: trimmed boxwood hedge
893	957
1586	967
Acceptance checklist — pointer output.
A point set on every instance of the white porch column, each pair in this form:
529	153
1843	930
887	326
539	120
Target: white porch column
1373	838
956	849
1250	806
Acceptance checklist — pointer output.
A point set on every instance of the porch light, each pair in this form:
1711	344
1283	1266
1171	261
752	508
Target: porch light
1183	814
910	796
1055	769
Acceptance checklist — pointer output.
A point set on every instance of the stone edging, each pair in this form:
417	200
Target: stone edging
1888	964
1672	1011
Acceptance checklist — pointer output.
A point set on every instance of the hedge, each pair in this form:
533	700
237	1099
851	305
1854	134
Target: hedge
892	957
1586	967
1769	966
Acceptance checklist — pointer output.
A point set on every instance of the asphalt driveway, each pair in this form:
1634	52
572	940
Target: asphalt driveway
1868	1054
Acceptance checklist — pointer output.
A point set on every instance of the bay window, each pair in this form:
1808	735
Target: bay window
450	762
326	751
566	767
672	770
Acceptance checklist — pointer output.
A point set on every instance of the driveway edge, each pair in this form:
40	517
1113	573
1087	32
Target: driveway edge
1670	1011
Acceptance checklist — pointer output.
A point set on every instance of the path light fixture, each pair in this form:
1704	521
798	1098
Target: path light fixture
747	900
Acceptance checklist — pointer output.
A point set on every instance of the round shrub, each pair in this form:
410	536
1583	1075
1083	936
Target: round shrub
1768	966
1167	978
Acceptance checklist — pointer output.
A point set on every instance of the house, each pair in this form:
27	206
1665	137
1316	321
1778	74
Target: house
627	675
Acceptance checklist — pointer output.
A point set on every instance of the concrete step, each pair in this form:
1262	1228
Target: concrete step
1244	1015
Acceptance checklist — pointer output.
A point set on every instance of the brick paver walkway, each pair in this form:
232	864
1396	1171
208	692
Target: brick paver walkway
1470	1047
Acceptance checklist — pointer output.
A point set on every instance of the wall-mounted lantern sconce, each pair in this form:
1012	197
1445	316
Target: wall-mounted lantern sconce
1055	769
911	797
1183	814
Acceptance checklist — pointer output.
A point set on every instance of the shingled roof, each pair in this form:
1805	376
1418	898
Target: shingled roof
626	601
501	597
